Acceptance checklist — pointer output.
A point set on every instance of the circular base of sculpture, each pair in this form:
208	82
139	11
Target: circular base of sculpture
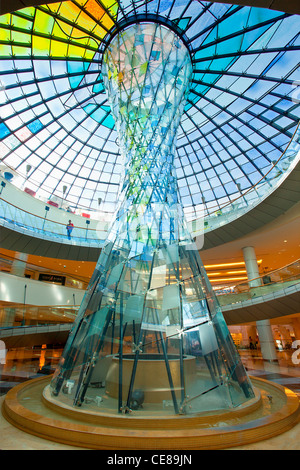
274	410
151	375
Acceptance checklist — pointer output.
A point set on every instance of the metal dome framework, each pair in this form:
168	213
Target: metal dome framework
56	128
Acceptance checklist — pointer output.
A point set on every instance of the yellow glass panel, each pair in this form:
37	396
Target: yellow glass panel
43	22
69	32
4	35
75	51
40	46
107	3
62	30
22	22
59	49
5	19
111	6
21	51
21	37
94	44
79	36
85	21
69	10
28	11
54	6
89	55
107	22
99	31
5	50
114	10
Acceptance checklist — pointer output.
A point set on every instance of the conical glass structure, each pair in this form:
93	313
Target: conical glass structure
150	336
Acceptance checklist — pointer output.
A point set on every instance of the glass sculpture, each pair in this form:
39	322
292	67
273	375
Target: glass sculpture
150	336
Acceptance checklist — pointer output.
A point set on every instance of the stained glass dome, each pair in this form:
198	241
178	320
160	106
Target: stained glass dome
57	131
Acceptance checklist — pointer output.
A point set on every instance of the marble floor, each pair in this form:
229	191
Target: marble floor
30	363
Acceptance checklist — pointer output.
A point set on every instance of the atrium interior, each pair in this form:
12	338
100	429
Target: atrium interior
149	225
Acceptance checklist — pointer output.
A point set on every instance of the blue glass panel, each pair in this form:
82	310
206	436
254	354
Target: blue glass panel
35	126
4	131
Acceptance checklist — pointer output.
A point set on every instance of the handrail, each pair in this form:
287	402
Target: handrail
18	304
17	311
44	227
42	218
271	272
257	282
86	280
16	315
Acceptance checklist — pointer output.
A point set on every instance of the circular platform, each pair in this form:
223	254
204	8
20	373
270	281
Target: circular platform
30	407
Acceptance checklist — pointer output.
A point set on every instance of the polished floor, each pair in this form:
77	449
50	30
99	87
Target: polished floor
26	363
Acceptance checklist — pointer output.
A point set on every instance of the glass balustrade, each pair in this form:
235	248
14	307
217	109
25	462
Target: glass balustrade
28	223
19	315
15	314
270	282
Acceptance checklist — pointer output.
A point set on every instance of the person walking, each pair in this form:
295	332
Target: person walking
69	228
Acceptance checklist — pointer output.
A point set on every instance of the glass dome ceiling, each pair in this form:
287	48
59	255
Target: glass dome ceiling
56	128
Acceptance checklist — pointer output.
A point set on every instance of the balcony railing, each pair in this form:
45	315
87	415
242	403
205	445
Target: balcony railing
268	283
280	279
19	315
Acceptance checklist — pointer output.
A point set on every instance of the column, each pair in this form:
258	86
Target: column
19	264
296	327
263	326
251	266
266	340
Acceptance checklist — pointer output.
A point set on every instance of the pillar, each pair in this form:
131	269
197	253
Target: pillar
266	340
251	266
19	265
264	329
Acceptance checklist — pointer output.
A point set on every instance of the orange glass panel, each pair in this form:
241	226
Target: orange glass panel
94	9
85	21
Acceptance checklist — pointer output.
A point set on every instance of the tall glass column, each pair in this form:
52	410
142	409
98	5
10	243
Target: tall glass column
150	336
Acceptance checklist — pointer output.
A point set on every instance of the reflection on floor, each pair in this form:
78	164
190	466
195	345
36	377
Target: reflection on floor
286	372
26	363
